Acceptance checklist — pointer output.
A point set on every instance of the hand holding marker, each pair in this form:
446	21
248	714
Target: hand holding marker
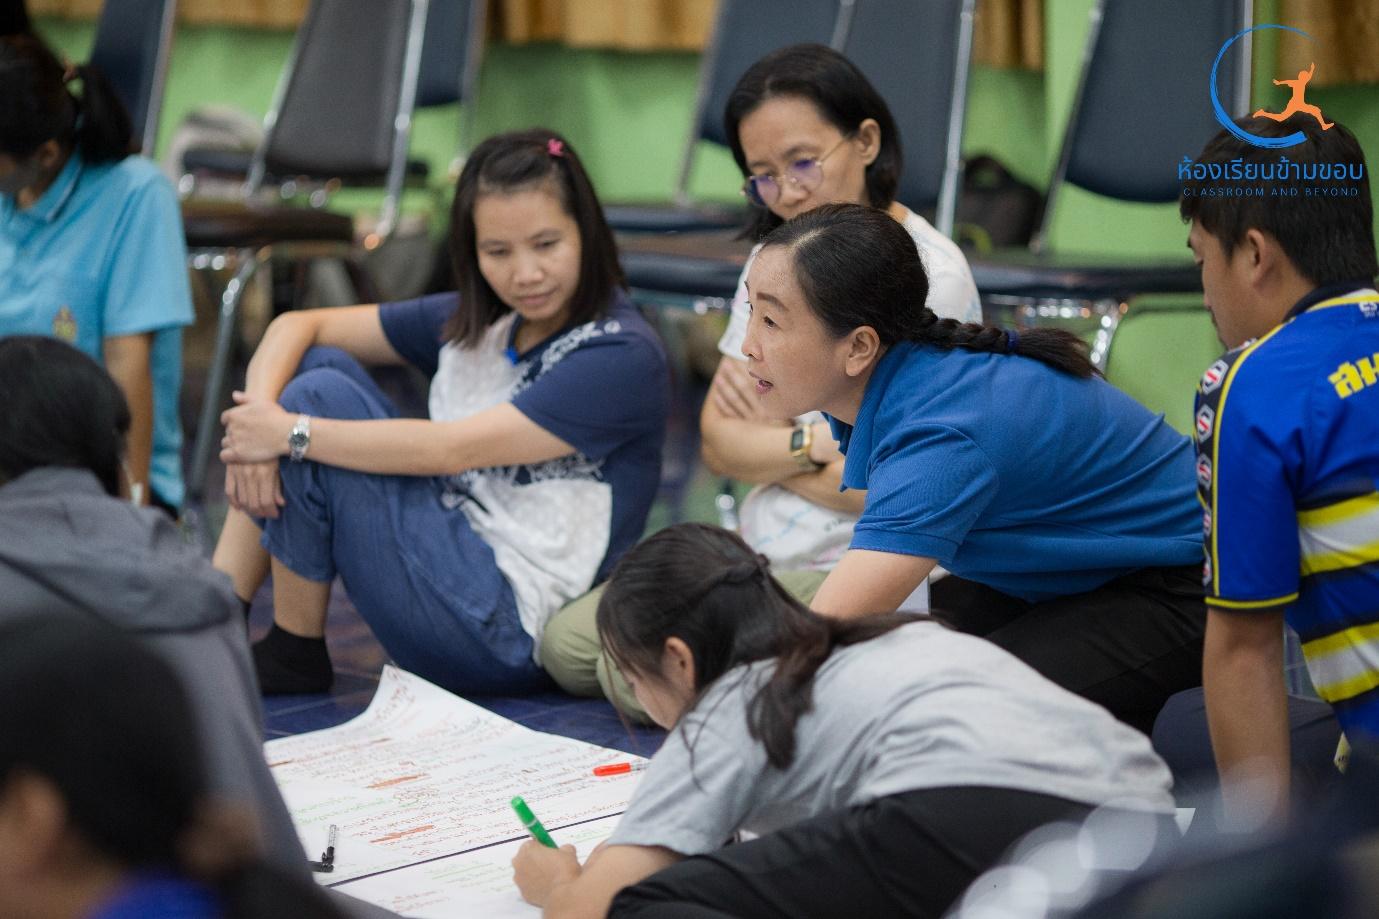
534	827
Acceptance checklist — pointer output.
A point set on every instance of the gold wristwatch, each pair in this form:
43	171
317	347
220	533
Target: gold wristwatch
801	439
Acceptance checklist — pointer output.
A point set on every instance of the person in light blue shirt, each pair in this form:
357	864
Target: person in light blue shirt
91	248
1063	508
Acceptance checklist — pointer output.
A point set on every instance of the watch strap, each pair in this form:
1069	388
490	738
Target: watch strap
299	441
801	440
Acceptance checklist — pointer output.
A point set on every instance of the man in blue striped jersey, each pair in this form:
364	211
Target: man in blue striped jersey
1287	432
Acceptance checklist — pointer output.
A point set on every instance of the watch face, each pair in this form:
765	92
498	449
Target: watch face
796	440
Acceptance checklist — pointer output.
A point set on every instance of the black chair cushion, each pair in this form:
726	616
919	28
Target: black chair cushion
236	164
209	160
1021	273
228	225
694	264
661	218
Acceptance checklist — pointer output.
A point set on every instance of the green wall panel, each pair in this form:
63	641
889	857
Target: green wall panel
629	115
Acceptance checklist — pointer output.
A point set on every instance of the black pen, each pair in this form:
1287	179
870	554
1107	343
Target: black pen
327	862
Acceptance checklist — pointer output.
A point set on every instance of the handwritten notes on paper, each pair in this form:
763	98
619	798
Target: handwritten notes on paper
419	786
478	883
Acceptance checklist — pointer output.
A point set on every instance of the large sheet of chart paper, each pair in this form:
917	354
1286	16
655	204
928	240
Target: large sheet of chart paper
419	786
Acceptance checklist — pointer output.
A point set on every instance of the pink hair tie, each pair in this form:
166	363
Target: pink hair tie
555	147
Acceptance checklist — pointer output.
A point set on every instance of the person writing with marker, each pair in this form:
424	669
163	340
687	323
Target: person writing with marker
884	761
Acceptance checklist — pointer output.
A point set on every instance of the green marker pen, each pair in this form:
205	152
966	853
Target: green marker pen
534	827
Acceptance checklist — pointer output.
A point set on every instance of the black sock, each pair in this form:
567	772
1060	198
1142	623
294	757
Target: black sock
289	664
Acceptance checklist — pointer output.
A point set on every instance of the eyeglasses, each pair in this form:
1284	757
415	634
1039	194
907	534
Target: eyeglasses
765	189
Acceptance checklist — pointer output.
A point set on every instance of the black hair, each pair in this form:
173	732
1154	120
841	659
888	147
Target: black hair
857	266
36	105
1328	238
14	18
843	97
108	724
705	586
61	408
515	162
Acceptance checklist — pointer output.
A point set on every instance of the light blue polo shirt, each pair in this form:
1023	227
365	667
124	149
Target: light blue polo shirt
1015	475
102	254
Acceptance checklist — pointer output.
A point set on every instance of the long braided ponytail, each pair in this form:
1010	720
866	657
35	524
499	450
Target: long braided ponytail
859	267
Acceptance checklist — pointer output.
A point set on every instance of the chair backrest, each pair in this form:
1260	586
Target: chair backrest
343	107
451	52
133	39
917	53
1142	101
451	55
745	31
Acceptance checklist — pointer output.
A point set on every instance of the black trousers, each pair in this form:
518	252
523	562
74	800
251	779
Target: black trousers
911	854
1128	645
1181	737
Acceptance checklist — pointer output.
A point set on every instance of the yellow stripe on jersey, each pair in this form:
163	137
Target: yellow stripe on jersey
1341	559
1348	689
1252	604
1367	296
1236	364
1336	641
1339	536
1346	663
1340	511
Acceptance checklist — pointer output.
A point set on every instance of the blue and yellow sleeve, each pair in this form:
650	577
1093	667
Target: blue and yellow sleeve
1249	524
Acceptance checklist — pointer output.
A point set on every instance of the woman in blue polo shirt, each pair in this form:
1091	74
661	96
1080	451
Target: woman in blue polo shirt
91	247
1063	508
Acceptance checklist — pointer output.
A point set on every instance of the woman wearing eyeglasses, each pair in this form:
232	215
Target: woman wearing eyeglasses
806	128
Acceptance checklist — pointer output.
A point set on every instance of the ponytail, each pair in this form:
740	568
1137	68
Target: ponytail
788	695
857	266
1059	348
102	130
706	587
37	105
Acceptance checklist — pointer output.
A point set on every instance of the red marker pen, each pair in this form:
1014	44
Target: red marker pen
619	768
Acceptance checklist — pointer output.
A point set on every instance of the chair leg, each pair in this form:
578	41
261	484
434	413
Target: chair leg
726	504
1111	313
365	290
212	399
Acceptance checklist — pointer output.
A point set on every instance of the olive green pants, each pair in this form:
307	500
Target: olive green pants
572	655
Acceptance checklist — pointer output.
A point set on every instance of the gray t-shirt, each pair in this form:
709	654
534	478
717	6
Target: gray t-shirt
919	707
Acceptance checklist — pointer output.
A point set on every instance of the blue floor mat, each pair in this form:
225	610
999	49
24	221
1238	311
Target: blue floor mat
359	660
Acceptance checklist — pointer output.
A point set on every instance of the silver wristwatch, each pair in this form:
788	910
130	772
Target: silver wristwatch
300	439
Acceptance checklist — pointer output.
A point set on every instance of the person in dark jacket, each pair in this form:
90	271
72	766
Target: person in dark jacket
70	546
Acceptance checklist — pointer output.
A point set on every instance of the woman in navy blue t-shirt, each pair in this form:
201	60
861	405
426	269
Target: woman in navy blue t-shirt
459	535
